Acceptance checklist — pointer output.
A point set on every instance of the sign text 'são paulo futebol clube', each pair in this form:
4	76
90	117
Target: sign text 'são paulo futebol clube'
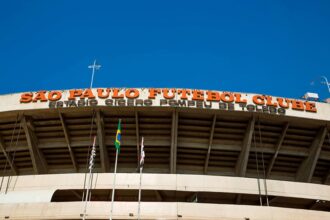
168	98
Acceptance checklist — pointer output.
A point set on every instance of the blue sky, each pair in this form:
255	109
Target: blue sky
269	47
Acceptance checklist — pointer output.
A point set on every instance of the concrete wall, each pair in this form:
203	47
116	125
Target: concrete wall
152	210
28	197
52	182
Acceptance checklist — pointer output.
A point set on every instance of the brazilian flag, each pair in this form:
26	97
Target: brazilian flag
118	136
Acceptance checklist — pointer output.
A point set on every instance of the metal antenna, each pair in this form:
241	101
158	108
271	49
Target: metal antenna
326	82
93	67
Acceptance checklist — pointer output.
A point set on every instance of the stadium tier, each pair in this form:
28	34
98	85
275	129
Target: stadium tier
208	155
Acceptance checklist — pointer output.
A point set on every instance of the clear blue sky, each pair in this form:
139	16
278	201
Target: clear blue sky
270	47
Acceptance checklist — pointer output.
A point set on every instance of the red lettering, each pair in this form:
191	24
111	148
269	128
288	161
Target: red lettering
87	94
132	93
269	101
212	96
26	97
100	93
258	99
74	94
227	97
166	93
184	93
116	94
153	93
198	95
310	107
297	105
54	95
238	98
281	102
41	95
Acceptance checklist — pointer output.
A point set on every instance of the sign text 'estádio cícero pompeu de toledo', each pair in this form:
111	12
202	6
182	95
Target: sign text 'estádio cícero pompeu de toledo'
168	98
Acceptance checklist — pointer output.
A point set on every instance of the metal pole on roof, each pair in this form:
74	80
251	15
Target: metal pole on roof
94	67
90	181
326	82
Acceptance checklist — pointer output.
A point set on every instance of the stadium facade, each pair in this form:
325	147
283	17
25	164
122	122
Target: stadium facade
208	155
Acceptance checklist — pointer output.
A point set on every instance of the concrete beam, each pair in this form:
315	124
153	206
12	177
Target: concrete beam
7	156
306	169
38	160
313	205
68	142
210	144
76	194
327	176
193	197
158	195
243	158
277	149
274	199
174	141
238	199
104	157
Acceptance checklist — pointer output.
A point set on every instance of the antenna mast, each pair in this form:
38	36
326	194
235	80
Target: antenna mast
94	67
326	82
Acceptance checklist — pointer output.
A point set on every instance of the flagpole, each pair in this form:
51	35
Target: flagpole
117	145
89	184
141	163
113	185
139	209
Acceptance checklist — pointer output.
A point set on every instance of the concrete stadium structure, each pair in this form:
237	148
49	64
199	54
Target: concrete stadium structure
209	155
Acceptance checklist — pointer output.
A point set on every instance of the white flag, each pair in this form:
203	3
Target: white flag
142	154
93	153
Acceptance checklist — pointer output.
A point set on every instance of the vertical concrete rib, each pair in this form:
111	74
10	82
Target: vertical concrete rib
306	169
38	160
7	156
210	144
277	149
174	140
244	154
68	142
105	163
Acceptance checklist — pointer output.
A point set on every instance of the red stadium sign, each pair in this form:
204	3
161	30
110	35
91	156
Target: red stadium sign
167	97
